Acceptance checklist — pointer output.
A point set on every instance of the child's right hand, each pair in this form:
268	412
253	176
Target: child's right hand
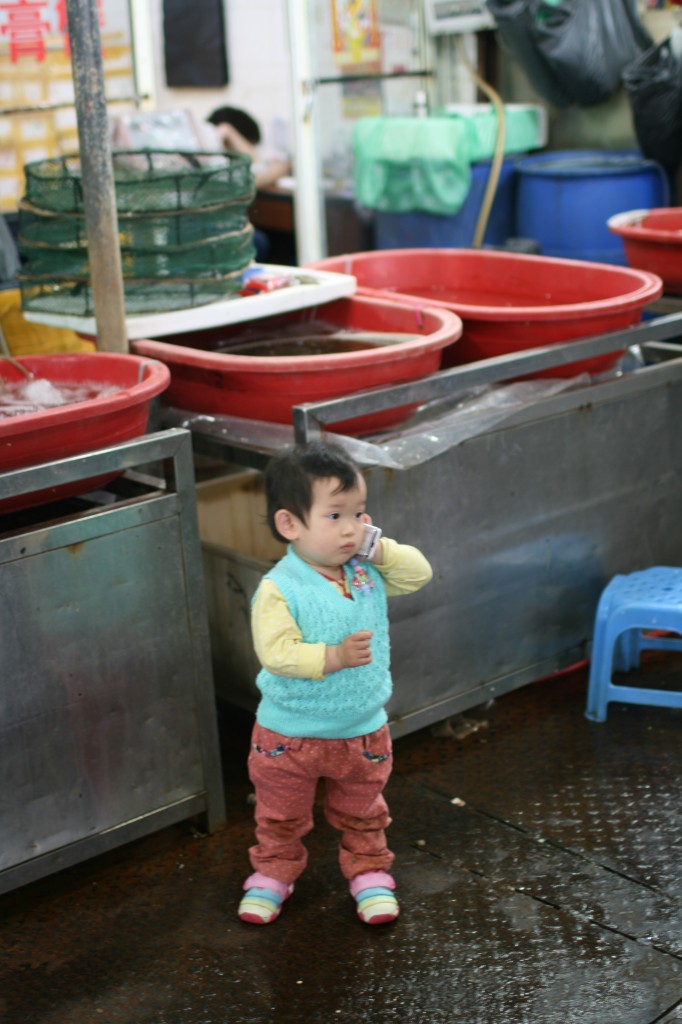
350	653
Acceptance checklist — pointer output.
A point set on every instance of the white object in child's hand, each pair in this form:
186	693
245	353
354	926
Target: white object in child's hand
370	538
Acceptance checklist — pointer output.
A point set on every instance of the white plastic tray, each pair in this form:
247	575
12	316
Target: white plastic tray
325	287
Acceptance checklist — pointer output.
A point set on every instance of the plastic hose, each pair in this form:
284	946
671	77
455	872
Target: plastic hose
498	157
9	358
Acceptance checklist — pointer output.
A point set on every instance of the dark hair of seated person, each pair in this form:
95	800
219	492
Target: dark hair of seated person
239	119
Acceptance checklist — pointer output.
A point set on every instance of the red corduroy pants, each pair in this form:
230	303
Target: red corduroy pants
285	772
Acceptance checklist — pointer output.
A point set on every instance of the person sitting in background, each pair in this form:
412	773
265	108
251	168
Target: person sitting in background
240	133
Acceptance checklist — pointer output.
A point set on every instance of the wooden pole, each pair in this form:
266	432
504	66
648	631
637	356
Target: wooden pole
99	192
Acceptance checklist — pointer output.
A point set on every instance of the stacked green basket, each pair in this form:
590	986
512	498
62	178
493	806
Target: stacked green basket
184	231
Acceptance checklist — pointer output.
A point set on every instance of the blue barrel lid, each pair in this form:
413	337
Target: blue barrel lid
585	162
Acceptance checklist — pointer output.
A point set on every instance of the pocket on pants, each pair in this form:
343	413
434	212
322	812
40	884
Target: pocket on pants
267	743
377	746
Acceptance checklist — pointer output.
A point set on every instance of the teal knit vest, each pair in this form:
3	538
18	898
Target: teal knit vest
347	703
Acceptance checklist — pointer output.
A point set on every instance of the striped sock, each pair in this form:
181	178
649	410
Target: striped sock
262	901
374	897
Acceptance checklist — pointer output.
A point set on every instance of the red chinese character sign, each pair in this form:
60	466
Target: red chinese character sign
36	82
27	24
25	28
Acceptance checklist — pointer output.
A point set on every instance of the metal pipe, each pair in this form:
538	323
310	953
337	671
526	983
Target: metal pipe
143	49
382	76
310	418
99	193
41	108
311	241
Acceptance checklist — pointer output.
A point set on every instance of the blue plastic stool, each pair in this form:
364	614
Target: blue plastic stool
628	607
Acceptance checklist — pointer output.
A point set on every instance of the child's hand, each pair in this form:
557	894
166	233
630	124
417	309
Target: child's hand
355	650
378	553
350	653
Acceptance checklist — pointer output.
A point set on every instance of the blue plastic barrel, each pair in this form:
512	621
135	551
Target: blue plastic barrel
564	199
416	230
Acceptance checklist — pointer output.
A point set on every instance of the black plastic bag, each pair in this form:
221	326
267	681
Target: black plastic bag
588	44
573	51
515	21
653	84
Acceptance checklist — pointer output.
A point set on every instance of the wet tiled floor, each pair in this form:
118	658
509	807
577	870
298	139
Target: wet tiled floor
539	869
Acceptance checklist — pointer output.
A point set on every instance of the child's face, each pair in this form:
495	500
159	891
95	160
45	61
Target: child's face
334	527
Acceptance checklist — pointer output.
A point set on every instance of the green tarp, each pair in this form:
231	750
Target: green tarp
403	164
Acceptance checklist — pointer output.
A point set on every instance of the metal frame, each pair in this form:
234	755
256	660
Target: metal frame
107	706
524	521
311	418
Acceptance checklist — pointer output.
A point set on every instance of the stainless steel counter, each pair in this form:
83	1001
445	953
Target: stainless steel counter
107	710
524	520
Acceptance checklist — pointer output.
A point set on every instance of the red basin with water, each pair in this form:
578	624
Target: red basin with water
266	386
652	240
508	302
57	433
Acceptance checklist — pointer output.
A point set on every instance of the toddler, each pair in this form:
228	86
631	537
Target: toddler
320	630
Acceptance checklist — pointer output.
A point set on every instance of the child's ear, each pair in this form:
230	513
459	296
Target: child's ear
287	524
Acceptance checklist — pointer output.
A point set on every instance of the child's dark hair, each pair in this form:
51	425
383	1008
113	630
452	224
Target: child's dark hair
290	474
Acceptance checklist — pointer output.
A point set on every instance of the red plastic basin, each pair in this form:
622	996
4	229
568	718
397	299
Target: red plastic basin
57	433
266	387
508	302
652	240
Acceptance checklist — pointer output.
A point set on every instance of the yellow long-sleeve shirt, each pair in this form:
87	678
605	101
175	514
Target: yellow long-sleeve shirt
277	639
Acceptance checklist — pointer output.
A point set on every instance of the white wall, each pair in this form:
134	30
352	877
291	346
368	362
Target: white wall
259	68
258	65
259	73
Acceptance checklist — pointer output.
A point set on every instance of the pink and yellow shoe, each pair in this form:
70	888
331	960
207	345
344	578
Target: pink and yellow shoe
262	901
374	896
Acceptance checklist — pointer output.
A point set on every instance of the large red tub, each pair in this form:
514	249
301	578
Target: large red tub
652	240
62	431
265	386
508	302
